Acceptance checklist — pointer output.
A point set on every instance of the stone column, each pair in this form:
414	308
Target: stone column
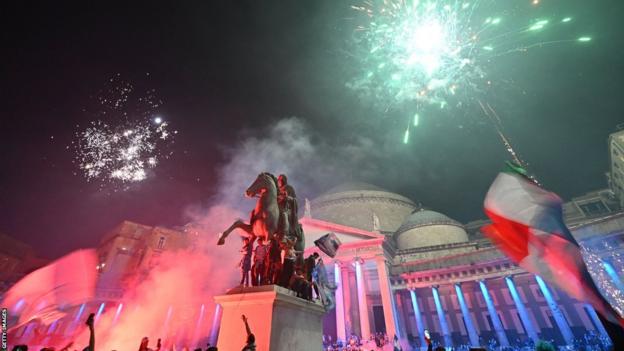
389	305
340	311
597	322
442	317
524	315
401	319
346	295
419	323
472	333
562	323
76	321
216	323
498	326
613	275
362	303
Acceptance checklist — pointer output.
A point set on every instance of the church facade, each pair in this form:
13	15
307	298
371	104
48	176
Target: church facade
402	269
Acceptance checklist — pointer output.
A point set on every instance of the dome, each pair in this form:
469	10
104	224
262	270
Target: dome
429	228
364	206
354	186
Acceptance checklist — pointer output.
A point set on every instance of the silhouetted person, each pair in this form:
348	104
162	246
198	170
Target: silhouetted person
288	268
245	262
274	265
309	266
90	323
258	270
250	345
144	343
428	341
396	345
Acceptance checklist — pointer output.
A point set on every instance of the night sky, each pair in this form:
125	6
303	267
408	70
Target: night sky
239	76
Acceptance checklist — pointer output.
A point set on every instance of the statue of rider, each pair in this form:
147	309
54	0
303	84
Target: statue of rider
287	203
289	222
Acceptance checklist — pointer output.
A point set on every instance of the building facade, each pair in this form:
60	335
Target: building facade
615	176
16	260
402	269
129	251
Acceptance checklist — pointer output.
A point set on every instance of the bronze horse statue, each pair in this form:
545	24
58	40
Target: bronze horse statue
267	221
264	219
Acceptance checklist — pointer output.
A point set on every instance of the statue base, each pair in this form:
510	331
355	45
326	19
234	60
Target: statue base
278	319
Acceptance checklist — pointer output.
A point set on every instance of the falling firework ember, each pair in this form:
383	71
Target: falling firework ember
126	140
609	285
415	53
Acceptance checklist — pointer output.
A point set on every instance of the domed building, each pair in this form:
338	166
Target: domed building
428	228
363	206
403	268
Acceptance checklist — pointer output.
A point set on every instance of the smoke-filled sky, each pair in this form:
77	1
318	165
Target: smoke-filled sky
255	86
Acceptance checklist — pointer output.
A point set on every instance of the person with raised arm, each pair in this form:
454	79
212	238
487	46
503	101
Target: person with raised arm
250	345
90	323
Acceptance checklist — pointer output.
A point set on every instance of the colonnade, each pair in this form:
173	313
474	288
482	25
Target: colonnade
393	321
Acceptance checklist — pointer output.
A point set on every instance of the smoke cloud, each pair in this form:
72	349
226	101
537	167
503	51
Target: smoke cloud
313	162
175	301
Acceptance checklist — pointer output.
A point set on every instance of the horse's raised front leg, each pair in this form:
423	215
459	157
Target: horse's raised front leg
238	224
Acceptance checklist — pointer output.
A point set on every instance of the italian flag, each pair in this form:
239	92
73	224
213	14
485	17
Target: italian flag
527	225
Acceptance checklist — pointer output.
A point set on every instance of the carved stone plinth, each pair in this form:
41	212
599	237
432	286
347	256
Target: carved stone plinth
278	319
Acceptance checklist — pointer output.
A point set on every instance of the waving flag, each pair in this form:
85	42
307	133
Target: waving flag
44	293
329	244
527	225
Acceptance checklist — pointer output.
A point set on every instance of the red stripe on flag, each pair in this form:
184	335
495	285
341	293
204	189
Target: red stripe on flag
510	237
554	258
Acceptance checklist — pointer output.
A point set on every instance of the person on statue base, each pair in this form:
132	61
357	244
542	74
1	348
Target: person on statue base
274	261
309	266
288	267
258	270
299	285
245	262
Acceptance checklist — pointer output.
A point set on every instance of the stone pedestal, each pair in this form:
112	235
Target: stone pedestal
278	319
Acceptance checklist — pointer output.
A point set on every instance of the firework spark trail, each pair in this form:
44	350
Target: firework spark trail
126	140
493	117
414	54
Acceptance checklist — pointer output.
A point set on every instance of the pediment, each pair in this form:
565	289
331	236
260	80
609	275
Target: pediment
314	229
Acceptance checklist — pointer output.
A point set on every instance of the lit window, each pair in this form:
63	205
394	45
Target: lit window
594	208
161	242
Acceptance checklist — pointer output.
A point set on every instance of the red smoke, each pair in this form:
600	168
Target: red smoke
177	287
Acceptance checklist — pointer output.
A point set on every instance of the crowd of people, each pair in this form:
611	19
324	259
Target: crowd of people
591	341
263	265
377	342
250	341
